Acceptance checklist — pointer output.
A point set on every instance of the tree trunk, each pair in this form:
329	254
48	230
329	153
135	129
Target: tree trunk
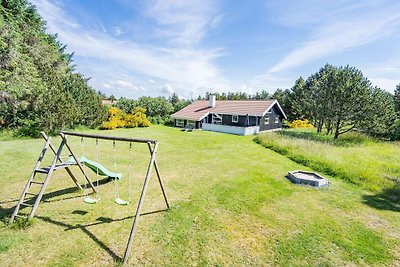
337	128
320	125
329	127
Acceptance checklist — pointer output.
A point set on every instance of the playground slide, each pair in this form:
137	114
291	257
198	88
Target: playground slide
97	167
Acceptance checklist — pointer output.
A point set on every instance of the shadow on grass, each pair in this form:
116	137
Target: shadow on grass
388	199
87	232
100	220
4	213
103	220
47	197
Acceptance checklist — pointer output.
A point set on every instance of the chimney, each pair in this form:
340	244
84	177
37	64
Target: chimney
212	101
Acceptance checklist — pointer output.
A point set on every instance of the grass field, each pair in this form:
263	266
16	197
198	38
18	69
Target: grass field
353	157
231	205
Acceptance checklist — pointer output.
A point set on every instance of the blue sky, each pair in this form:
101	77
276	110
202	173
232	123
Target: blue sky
157	47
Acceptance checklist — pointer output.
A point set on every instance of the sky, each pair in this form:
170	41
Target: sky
158	47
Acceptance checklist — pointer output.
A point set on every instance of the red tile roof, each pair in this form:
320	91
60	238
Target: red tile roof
195	111
201	108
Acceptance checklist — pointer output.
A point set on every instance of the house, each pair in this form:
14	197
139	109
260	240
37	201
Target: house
241	117
108	102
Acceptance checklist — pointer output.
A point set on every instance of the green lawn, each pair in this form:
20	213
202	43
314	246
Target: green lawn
353	157
231	205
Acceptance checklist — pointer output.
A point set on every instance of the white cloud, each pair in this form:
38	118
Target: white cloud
330	28
122	85
103	29
385	83
184	22
384	75
217	20
272	81
246	89
305	13
51	13
337	30
118	31
184	68
167	90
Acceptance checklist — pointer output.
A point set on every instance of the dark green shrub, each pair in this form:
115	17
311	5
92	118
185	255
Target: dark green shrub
29	128
395	131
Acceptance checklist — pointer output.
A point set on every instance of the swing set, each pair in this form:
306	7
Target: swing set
96	167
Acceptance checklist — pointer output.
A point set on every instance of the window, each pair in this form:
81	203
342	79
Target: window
179	123
191	124
276	119
266	120
216	119
235	118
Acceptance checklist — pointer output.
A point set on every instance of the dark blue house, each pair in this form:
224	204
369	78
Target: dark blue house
242	117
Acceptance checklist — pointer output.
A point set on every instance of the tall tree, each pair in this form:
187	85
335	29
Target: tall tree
279	95
351	96
397	99
299	99
381	116
157	106
341	99
39	90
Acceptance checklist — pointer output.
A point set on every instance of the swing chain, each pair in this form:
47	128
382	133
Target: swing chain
85	193
130	172
82	147
116	187
115	162
97	169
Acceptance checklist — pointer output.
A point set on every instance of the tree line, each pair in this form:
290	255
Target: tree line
157	109
39	88
341	99
336	100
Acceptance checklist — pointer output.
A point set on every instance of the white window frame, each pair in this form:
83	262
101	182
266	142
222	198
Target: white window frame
276	119
237	118
180	123
266	120
216	119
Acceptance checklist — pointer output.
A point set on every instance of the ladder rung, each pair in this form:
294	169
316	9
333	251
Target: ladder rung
34	182
27	193
56	167
44	170
21	216
26	204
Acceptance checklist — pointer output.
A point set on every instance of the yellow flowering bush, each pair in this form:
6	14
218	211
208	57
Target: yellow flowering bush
119	119
301	124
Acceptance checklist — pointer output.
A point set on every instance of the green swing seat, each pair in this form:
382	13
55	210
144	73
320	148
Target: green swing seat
121	202
91	200
103	171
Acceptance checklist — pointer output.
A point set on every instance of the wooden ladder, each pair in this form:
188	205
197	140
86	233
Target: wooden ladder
48	171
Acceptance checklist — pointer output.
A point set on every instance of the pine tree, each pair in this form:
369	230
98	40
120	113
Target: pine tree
397	99
38	88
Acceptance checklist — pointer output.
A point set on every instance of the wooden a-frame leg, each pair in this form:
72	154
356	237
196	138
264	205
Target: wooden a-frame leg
45	137
159	177
46	181
139	207
64	138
